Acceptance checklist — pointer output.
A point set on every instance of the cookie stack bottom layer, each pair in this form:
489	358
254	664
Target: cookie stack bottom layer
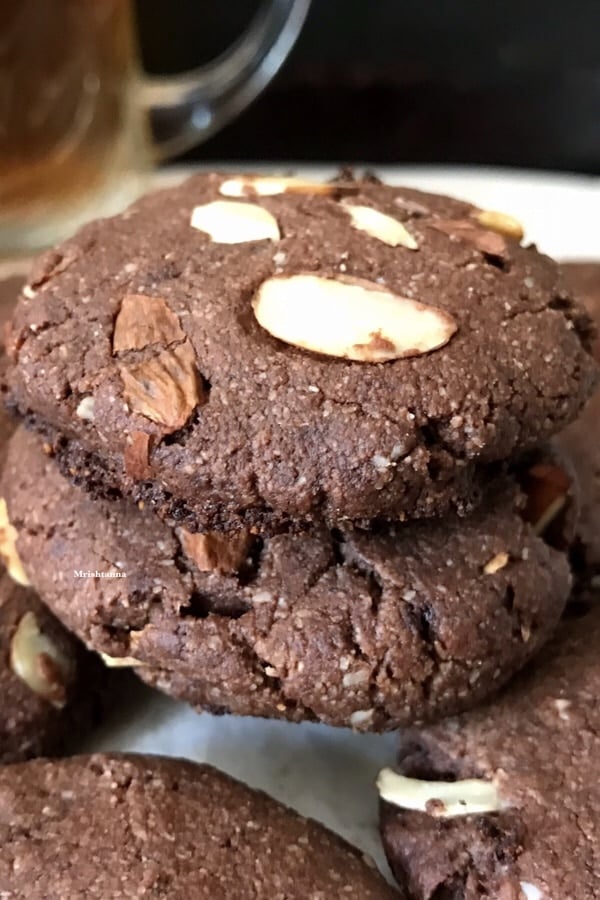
123	826
372	630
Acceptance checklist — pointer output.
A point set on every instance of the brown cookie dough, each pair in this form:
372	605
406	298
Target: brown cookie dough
51	686
368	629
169	364
536	749
123	826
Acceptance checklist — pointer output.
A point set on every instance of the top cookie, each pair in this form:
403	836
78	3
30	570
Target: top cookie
251	351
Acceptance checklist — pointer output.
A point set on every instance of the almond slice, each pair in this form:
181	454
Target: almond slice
380	226
38	662
490	243
85	409
547	488
501	222
442	799
144	320
349	318
120	662
270	185
497	562
164	388
229	222
214	552
136	456
8	547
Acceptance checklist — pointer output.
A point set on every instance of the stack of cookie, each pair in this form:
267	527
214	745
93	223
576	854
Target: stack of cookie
287	451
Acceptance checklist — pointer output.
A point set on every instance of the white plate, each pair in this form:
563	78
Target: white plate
324	772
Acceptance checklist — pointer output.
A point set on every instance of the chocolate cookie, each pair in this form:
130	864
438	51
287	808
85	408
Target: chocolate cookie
371	630
125	826
580	442
527	827
51	686
249	351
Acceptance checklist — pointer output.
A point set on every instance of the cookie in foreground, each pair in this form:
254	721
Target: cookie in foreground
505	801
121	826
364	629
245	351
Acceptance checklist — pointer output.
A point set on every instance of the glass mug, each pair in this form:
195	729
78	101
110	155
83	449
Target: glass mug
81	125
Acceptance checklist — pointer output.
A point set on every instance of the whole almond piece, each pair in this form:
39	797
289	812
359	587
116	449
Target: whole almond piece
501	223
349	318
378	225
8	547
38	662
270	185
85	409
164	388
229	222
142	321
442	799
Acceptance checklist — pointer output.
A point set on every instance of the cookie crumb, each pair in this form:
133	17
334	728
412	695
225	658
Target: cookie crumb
361	717
562	706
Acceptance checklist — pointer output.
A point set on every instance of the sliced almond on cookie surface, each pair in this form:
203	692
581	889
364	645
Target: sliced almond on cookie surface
500	222
270	185
229	222
349	318
381	226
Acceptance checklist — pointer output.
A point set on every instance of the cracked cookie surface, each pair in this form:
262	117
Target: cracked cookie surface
194	407
364	629
123	826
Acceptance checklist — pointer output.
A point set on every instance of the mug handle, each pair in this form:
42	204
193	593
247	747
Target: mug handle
186	109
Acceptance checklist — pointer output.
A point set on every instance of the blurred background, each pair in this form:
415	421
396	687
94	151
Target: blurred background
513	83
381	82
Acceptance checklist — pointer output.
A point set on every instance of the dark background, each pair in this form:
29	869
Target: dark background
512	82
